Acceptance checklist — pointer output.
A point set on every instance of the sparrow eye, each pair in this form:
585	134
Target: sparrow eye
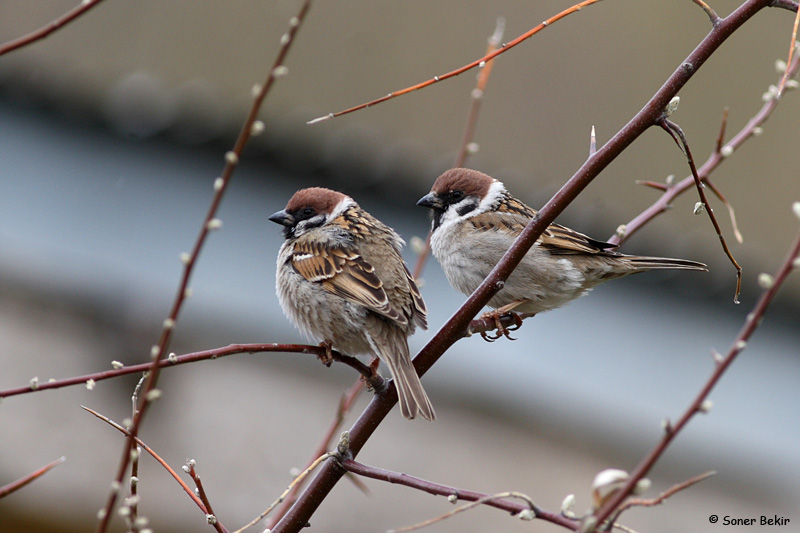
307	212
457	195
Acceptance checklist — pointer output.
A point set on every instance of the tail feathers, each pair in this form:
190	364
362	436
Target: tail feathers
410	394
664	263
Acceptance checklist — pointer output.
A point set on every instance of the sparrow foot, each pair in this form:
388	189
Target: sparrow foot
326	358
369	381
501	331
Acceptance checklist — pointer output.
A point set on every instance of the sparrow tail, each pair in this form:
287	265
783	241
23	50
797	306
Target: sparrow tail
410	394
664	263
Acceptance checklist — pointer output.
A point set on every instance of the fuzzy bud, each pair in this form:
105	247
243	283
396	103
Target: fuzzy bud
706	406
765	281
606	484
257	128
672	106
527	514
568	506
153	395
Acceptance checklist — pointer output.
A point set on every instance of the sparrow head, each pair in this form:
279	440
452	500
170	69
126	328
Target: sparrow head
461	193
310	208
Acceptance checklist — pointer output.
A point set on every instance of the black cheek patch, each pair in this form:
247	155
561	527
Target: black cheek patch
464	209
438	214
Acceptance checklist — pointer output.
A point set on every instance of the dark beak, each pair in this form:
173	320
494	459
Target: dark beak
282	217
430	200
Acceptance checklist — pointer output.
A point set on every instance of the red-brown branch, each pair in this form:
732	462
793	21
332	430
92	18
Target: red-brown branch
45	31
454	328
696	406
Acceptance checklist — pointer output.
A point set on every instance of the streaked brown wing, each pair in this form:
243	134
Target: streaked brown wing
420	311
344	273
560	240
557	239
507	223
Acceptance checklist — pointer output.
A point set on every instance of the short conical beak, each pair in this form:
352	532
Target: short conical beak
282	217
430	200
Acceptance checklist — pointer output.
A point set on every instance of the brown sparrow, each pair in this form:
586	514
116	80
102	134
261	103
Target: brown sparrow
341	280
476	220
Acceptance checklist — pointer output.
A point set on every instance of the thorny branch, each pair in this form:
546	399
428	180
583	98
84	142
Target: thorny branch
753	128
722	363
455	327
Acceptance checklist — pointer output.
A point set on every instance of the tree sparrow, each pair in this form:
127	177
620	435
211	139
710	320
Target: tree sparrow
341	280
476	220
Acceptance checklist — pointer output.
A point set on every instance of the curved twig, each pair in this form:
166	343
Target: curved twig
477	63
45	31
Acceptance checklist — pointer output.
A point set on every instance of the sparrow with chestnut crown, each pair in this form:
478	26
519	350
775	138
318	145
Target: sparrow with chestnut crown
341	280
476	220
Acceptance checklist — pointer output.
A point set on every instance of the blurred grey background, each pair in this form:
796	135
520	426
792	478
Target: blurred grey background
113	129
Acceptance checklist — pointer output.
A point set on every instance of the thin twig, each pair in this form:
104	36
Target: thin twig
661	498
345	403
472	120
190	469
698	405
792	45
215	353
680	138
731	212
294	482
134	481
54	25
723	126
210	223
710	12
161	461
471	505
477	63
5	490
437	489
721	153
376	382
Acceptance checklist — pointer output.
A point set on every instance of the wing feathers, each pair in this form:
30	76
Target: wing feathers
346	274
